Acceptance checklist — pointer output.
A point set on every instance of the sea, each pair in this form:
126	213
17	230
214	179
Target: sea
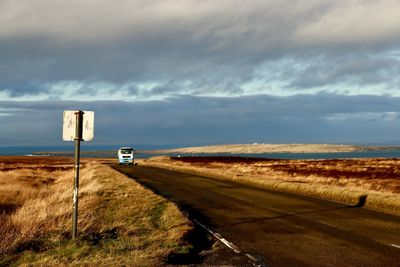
107	151
87	150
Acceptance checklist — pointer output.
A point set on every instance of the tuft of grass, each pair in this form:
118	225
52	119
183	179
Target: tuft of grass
156	214
120	222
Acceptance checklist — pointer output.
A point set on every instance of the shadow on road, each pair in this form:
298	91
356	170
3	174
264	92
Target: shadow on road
361	203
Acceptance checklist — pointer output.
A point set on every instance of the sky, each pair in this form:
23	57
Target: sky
190	72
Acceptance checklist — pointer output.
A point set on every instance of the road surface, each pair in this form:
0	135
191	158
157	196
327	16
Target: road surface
280	229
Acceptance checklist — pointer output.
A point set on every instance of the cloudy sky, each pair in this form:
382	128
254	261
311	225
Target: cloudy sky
202	72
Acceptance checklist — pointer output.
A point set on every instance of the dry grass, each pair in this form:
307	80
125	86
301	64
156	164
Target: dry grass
24	188
338	180
120	222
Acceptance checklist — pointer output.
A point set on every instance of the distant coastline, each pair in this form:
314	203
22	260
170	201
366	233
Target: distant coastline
273	148
262	150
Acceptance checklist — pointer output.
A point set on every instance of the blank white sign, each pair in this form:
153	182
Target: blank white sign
69	123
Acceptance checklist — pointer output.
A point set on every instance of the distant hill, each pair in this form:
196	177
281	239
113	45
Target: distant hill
273	148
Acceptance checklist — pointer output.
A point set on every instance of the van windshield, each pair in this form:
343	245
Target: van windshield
126	151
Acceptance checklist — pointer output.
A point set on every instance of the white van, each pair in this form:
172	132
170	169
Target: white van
125	155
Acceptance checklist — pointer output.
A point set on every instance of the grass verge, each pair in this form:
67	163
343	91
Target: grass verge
120	223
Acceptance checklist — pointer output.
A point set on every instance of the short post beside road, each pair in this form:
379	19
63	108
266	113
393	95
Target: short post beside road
78	139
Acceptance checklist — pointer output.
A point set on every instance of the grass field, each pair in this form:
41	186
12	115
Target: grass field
120	222
340	180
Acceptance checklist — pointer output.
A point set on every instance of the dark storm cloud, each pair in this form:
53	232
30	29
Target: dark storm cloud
194	47
204	120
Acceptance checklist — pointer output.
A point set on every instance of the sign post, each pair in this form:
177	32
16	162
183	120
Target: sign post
78	138
77	127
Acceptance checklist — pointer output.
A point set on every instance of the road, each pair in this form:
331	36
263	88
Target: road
281	229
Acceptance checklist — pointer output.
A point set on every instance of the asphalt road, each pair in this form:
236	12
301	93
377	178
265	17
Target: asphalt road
279	228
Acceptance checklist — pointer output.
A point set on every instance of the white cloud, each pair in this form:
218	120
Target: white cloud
354	22
364	117
269	22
